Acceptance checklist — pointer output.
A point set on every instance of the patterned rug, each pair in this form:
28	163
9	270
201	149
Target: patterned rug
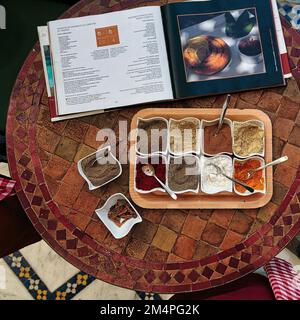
38	273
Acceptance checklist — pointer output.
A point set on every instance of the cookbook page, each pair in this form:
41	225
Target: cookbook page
110	60
222	46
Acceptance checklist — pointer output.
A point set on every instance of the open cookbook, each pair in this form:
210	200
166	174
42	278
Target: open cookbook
180	50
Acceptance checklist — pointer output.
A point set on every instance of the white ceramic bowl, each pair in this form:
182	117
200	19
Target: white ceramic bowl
209	189
197	150
250	59
137	158
206	123
163	152
117	232
199	171
247	193
256	122
90	184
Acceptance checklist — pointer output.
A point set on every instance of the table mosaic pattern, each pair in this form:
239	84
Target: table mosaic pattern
171	250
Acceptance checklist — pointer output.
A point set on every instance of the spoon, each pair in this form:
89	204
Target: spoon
150	172
232	179
224	109
251	172
105	154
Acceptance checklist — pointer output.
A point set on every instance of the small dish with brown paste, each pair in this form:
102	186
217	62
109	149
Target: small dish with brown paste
99	168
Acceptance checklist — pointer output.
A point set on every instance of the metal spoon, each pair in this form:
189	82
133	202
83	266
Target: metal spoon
232	179
224	109
273	163
105	154
149	170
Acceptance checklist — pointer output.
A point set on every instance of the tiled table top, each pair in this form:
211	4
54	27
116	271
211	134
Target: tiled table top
171	250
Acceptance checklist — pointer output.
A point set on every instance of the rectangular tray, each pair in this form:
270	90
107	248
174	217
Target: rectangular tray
201	200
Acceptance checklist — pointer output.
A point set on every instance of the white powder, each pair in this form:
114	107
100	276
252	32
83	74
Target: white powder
210	177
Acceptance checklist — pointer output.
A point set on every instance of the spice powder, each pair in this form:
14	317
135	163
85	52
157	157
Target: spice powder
248	139
100	168
156	136
147	183
217	143
183	174
183	135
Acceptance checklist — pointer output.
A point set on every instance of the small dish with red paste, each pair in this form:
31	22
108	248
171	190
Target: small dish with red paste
144	183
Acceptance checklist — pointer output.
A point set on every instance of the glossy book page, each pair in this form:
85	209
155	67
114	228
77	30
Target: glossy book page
222	46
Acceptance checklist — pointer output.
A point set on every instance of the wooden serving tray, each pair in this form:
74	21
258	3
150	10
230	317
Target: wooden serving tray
201	200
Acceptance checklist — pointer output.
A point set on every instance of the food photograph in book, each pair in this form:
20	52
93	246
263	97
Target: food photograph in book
221	45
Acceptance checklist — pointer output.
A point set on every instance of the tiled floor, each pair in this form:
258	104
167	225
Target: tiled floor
291	12
37	272
4	170
290	257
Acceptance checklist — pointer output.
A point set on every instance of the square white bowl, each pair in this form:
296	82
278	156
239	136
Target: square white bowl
212	189
117	232
160	189
198	145
247	193
199	172
256	122
81	172
163	152
207	123
250	59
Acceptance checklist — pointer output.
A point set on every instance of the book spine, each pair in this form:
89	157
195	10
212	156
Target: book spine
285	64
286	70
52	107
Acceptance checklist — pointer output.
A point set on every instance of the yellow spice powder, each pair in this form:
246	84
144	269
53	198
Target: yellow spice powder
248	139
183	136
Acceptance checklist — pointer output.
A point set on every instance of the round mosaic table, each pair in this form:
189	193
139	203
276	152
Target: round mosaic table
171	250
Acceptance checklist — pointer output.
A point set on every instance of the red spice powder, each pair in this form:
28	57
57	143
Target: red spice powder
147	183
